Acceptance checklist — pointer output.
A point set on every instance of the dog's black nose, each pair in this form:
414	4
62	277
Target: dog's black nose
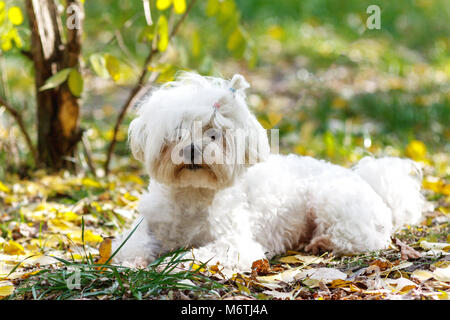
192	154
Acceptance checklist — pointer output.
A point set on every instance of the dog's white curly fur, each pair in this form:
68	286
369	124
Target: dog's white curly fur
238	213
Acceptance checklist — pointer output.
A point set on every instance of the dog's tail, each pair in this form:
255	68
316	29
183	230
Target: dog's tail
398	183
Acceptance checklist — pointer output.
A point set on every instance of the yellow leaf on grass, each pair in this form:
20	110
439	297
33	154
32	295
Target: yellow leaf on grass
130	197
422	275
89	236
13	248
196	267
443	295
434	245
290	259
436	185
133	178
339	283
416	150
442	274
309	259
70	216
59	224
88	182
401	285
285	276
104	251
15	15
6	288
4	188
77	257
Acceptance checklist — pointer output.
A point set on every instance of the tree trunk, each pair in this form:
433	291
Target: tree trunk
58	109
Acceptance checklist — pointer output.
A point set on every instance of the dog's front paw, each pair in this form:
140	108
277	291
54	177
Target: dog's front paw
231	260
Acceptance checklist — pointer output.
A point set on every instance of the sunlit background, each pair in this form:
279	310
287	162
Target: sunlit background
334	88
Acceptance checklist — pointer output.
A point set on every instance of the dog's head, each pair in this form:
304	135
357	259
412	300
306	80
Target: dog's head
197	132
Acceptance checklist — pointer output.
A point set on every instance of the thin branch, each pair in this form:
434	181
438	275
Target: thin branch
18	117
137	88
88	154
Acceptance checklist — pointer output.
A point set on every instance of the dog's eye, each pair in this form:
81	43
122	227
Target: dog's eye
213	134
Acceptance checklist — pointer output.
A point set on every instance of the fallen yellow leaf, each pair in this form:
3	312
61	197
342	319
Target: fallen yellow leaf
196	267
4	188
442	274
88	182
416	150
70	216
6	288
309	259
436	185
422	275
13	248
89	236
290	259
104	251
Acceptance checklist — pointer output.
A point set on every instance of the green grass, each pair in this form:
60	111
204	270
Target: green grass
91	281
88	280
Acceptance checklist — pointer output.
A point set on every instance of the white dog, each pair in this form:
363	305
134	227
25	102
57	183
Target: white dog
235	212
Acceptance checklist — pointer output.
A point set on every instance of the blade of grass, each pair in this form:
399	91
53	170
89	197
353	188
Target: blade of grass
123	242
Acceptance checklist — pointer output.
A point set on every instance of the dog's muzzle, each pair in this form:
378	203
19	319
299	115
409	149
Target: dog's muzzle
192	156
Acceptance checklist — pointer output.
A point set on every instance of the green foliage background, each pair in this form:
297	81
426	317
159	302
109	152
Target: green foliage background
395	78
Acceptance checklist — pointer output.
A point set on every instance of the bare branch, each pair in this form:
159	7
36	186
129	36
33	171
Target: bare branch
18	117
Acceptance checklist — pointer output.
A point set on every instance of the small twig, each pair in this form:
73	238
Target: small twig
27	53
88	154
18	117
137	89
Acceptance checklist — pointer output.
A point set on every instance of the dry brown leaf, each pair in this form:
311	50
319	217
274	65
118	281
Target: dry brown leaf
260	267
381	264
406	251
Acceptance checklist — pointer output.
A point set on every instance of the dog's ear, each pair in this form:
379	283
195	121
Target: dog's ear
137	138
238	82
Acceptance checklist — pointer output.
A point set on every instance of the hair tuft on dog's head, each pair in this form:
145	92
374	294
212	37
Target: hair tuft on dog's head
238	82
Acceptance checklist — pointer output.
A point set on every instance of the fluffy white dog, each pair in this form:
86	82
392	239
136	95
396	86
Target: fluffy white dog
216	188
